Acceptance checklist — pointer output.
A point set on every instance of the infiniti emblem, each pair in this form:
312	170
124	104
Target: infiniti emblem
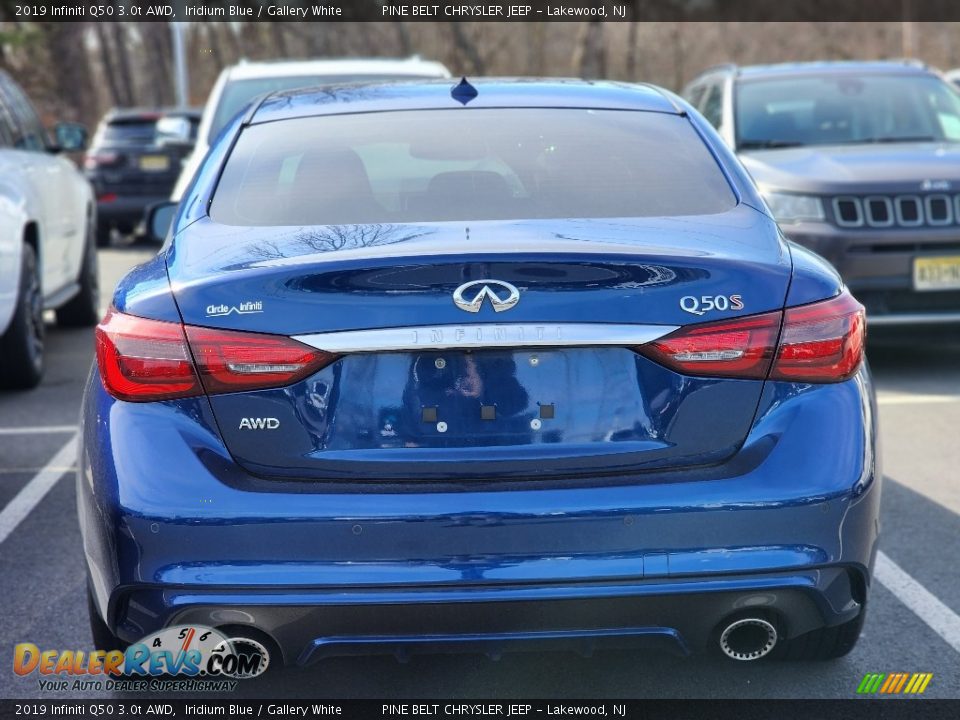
470	296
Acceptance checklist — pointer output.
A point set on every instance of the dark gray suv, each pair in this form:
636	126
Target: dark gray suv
859	162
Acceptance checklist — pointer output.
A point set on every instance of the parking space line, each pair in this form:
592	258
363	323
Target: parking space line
908	399
924	604
35	490
27	470
38	430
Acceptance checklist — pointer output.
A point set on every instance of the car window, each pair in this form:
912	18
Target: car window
135	131
694	94
712	107
486	164
846	109
26	131
6	123
237	93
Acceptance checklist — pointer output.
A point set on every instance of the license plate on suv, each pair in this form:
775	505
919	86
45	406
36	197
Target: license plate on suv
154	163
936	273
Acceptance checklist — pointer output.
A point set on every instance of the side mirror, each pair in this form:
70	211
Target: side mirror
70	137
159	219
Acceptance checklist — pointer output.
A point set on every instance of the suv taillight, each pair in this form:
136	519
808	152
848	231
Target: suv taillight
143	360
819	343
101	159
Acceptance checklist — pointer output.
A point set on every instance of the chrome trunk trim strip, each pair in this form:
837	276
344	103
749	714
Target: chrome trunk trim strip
493	335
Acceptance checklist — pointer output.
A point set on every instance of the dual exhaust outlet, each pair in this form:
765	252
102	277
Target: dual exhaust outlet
748	639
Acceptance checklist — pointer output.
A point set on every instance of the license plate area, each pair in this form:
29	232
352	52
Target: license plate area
488	398
442	415
936	273
154	163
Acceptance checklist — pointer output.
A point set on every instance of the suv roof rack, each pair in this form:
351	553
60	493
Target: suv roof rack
911	62
716	68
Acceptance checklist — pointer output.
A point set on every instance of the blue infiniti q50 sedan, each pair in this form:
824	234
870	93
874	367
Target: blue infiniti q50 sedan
521	364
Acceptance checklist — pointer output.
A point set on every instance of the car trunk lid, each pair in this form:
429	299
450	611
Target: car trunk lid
425	390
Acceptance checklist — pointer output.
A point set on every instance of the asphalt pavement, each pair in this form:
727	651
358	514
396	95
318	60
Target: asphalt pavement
912	624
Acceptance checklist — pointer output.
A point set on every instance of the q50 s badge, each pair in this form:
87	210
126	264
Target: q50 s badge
705	303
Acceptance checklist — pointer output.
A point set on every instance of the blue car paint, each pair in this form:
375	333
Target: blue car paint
311	288
188	531
178	529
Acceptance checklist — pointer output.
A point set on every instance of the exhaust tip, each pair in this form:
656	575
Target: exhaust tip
748	639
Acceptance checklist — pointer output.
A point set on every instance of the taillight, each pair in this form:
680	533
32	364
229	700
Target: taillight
143	360
101	159
822	342
819	343
231	361
741	348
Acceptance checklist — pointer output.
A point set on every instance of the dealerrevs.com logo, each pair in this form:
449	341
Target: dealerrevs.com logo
183	657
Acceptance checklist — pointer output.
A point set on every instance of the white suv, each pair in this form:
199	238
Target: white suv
239	84
47	249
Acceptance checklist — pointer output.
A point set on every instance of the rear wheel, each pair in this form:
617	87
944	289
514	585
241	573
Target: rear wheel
84	309
21	346
103	637
826	643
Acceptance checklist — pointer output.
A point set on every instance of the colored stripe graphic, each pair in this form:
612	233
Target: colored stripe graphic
894	683
870	683
890	683
919	684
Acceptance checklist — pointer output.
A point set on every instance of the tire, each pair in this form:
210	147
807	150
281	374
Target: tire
83	310
104	235
21	346
103	637
827	643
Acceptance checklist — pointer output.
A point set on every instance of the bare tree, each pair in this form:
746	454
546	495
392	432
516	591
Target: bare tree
536	49
71	86
109	64
123	67
467	49
590	55
77	69
403	37
156	39
631	60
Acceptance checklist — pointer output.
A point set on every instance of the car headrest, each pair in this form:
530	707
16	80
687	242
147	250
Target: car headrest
332	186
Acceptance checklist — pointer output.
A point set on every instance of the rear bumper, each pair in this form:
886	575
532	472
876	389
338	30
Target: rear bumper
678	615
126	210
174	531
877	266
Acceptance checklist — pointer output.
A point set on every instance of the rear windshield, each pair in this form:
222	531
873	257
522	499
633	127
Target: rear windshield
237	93
129	132
478	164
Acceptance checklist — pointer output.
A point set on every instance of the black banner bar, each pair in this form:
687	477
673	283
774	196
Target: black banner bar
477	10
854	709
